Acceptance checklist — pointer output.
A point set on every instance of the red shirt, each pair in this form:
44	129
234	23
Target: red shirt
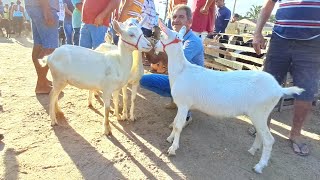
92	8
201	22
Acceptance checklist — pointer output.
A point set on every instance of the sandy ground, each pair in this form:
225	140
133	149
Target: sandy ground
210	148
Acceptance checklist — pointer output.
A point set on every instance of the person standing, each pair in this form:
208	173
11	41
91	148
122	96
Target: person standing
96	15
61	14
45	22
223	16
203	17
18	17
76	20
127	9
294	47
67	24
233	25
149	12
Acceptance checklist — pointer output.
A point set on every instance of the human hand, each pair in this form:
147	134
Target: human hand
48	17
258	43
204	10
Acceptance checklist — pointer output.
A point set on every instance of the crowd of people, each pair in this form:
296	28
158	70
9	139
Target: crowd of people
86	22
13	18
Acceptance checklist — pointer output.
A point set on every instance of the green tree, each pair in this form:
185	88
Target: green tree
253	13
272	18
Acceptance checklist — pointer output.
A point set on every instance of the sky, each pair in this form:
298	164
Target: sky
242	6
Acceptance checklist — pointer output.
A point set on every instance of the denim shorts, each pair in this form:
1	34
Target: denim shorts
47	37
299	57
92	36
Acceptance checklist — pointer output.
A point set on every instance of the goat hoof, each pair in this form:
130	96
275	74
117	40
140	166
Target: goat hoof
252	151
90	106
53	123
107	132
258	169
170	139
171	151
123	118
132	118
119	118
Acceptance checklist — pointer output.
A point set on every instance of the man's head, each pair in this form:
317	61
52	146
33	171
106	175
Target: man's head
235	17
18	2
220	3
181	16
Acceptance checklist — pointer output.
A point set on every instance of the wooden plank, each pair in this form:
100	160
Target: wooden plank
235	64
209	43
217	66
213	51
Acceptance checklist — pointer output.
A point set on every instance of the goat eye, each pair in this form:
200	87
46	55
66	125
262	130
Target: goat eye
132	35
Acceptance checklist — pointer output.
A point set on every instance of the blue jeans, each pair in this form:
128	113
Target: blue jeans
76	36
158	83
299	57
68	30
92	36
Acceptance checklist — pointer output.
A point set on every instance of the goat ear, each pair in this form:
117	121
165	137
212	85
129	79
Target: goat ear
116	26
182	32
143	21
163	27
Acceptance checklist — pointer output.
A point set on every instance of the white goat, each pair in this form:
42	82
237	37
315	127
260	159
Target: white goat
221	94
136	73
134	78
88	69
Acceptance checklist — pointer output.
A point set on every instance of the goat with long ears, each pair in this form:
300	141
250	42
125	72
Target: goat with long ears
88	69
220	94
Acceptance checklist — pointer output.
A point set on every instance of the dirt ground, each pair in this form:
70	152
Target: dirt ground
210	148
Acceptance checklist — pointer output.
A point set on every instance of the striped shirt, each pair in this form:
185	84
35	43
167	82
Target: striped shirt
149	12
130	8
298	19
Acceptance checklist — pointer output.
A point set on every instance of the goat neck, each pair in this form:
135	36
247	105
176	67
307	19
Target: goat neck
125	58
176	58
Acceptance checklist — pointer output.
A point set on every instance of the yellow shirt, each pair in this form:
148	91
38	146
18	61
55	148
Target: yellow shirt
131	8
232	28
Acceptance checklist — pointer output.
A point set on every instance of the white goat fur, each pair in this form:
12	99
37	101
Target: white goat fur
134	78
88	69
221	94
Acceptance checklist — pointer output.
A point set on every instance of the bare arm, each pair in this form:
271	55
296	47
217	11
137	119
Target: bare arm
67	10
106	13
258	40
127	5
205	8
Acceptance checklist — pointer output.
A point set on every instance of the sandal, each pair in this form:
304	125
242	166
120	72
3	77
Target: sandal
300	149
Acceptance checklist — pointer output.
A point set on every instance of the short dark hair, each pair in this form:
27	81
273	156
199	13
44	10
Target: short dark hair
236	15
183	7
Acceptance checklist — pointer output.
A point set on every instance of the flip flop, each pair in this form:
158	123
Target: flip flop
300	149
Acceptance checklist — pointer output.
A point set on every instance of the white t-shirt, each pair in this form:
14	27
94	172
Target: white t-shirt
61	12
149	11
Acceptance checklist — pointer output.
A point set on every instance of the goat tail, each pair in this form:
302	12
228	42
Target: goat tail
44	61
292	90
